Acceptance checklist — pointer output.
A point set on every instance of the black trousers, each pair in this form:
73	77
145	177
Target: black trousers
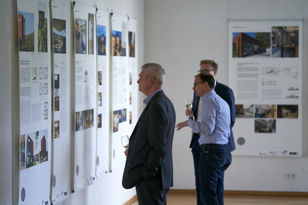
150	192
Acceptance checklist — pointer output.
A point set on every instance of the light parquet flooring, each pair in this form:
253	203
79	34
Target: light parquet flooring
238	198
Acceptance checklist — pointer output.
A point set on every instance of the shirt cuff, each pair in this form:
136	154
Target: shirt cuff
190	123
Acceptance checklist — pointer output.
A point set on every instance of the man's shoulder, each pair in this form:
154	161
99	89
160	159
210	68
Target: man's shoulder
160	98
222	86
160	95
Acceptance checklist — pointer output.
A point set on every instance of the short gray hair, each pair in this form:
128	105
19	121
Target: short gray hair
155	70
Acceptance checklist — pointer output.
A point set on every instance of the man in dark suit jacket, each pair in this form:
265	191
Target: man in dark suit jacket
149	164
226	93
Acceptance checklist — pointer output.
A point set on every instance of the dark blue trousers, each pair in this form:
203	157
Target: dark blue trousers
220	181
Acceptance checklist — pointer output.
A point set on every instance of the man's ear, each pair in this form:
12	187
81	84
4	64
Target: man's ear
152	80
215	72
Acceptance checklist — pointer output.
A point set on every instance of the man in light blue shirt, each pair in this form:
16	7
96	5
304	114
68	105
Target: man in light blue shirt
213	125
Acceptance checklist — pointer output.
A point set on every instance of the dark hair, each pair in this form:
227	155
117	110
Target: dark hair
207	78
211	62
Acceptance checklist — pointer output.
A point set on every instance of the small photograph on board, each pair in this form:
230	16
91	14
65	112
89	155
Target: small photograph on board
244	110
130	117
42	29
130	98
77	121
37	147
25	31
57	100
265	126
57	91
285	41
80	29
124	39
99	120
87	118
59	35
100	77
130	78
57	129
116	43
265	111
22	153
57	81
115	121
122	115
99	99
91	33
101	40
131	43
29	152
287	111
251	44
44	151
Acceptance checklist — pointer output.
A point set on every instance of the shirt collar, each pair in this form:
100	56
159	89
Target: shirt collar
148	99
208	94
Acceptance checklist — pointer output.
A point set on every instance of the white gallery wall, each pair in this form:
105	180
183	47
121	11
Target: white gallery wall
178	34
106	190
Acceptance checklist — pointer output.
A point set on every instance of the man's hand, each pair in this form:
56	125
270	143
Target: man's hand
189	113
181	125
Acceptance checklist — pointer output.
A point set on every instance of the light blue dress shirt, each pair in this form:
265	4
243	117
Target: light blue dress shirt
214	125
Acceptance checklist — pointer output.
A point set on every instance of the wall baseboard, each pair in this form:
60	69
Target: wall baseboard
233	193
246	193
131	200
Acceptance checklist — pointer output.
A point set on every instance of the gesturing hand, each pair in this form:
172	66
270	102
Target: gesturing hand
181	125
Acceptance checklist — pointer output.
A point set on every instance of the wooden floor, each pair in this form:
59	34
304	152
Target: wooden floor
181	197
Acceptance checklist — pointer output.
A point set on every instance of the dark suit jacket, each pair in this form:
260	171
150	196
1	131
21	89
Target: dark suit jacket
225	93
150	145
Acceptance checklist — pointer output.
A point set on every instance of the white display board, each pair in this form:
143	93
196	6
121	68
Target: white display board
265	62
103	117
132	111
35	101
120	89
85	95
61	31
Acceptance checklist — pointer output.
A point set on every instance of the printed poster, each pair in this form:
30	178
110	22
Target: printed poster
120	89
103	96
265	74
62	98
34	101
85	119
